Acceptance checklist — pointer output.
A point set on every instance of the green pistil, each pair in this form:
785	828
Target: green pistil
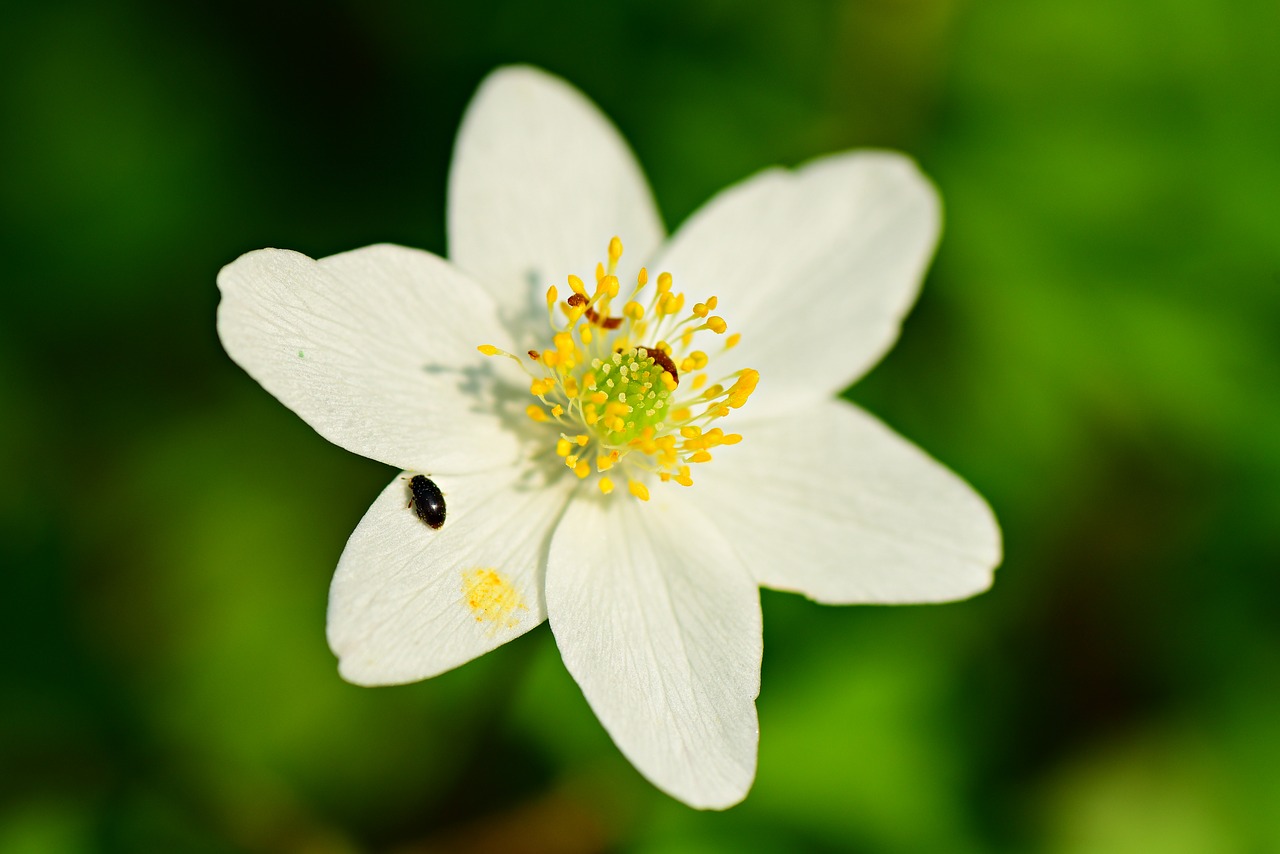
634	379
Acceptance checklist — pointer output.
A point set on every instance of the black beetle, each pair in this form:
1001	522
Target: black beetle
427	501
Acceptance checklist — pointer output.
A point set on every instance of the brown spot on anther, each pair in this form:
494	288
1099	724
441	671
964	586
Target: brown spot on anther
578	299
663	361
533	354
607	323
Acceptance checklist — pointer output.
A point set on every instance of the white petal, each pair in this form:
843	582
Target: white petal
540	182
409	602
660	624
833	504
375	349
816	268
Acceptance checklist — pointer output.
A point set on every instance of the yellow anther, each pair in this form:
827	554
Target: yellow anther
552	296
577	285
695	361
582	469
584	332
713	391
570	387
633	310
571	460
539	387
638	489
712	302
604	463
582	439
669	381
642	278
488	349
611	286
732	340
598	397
666	304
682	414
699	381
701	309
731	439
691	432
717	325
606	485
536	413
563	447
743	387
564	343
557	410
700	457
599	273
615	248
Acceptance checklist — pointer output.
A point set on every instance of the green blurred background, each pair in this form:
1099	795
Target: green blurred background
1096	350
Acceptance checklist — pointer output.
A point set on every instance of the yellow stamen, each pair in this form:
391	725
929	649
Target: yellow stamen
627	376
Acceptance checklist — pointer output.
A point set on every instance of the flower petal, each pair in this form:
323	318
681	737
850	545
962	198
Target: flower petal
816	268
833	504
660	625
409	602
540	181
375	349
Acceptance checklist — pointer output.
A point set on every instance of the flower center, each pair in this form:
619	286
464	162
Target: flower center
630	392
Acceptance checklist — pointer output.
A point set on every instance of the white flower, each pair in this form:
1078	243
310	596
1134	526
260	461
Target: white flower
651	591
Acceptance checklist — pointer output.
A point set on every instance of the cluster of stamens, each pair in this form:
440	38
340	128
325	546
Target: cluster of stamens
627	405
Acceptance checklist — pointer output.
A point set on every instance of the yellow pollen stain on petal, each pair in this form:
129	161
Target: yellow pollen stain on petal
492	598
